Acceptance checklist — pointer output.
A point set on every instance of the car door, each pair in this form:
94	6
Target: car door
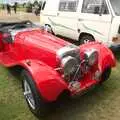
67	18
95	19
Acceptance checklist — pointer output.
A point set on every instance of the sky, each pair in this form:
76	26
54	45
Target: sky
13	1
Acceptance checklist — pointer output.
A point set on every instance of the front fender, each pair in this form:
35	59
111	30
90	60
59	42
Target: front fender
106	57
48	82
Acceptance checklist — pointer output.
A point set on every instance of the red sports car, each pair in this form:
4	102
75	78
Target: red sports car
50	66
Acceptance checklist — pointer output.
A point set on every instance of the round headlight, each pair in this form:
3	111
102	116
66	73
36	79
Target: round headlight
91	57
69	65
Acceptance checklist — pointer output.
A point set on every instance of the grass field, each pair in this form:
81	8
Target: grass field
101	103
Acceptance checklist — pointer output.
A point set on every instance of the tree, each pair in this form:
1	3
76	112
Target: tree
35	3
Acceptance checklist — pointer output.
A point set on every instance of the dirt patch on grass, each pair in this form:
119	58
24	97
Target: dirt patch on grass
4	17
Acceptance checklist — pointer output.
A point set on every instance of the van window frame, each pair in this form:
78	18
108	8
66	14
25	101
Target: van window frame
103	2
66	7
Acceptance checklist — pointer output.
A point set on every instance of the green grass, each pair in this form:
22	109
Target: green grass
12	104
101	103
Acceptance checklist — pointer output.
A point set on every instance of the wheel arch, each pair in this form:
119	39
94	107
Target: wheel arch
84	34
45	78
20	67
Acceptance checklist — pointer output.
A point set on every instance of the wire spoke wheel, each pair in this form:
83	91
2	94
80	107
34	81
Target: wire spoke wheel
33	98
28	94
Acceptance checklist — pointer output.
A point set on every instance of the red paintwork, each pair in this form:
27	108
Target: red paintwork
36	51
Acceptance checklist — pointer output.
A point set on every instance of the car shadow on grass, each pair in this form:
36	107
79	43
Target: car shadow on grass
117	54
78	107
16	72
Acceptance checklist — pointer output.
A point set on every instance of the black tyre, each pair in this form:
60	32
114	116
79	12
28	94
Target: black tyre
85	39
106	74
35	102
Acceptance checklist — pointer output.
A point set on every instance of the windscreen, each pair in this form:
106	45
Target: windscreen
116	6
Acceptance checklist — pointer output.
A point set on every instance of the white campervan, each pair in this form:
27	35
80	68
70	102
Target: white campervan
83	20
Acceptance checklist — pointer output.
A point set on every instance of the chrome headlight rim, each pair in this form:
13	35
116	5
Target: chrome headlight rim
69	65
68	50
91	57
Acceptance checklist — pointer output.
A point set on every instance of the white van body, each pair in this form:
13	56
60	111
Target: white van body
75	19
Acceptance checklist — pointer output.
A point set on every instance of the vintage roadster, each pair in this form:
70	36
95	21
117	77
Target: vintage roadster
51	67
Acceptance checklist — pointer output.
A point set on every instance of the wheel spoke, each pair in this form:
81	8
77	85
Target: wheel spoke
28	95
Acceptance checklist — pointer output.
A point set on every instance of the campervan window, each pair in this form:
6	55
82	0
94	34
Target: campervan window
68	5
94	7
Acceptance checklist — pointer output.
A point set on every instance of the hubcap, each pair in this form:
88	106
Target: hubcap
28	95
86	41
